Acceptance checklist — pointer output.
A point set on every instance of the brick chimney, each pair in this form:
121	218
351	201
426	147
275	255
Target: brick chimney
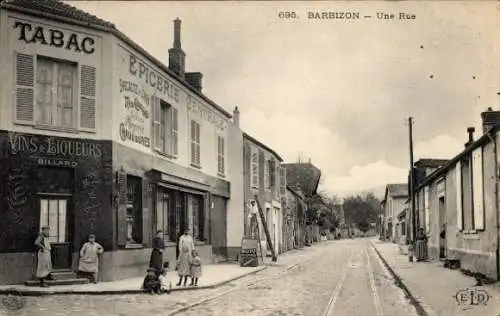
236	116
194	79
470	131
176	57
490	118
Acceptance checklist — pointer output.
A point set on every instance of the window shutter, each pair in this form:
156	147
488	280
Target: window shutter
25	89
426	209
87	97
155	106
198	144
272	173
477	188
122	208
174	131
282	181
458	184
255	168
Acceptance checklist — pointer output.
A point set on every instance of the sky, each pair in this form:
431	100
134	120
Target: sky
335	91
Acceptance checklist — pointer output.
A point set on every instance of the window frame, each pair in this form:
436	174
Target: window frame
55	63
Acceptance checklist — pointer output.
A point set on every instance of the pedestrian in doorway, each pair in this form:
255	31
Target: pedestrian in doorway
156	259
421	245
43	258
89	258
186	247
195	268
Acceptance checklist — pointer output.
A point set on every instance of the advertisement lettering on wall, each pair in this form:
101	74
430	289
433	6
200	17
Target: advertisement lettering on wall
145	77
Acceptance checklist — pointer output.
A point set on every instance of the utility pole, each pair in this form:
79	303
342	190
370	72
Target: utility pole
412	180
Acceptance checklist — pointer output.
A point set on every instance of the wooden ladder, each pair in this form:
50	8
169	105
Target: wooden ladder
266	230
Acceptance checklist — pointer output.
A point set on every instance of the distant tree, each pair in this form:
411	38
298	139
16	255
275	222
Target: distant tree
329	210
362	210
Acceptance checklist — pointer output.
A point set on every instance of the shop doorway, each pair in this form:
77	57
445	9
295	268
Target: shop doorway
56	212
442	228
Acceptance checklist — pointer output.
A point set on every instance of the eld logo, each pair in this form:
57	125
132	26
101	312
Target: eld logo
472	297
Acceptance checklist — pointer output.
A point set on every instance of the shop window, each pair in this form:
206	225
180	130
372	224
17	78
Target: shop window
163	206
195	143
165	127
47	94
53	213
134	210
221	152
198	217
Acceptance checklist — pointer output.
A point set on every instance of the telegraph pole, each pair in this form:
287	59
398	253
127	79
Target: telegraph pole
412	180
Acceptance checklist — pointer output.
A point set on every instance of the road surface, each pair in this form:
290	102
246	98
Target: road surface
344	277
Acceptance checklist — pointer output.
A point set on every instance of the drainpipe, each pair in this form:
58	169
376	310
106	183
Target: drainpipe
497	207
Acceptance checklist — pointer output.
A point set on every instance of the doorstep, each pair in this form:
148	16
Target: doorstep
213	275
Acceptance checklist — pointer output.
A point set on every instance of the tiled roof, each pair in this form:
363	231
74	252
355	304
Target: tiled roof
257	142
431	163
304	175
58	8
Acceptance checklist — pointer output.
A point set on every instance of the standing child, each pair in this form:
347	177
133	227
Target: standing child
410	250
195	268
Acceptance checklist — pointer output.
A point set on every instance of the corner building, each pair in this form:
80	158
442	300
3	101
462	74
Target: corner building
97	136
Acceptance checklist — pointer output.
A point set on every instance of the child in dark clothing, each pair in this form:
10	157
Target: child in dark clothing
151	282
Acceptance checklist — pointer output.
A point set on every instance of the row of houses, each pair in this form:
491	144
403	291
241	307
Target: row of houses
97	136
456	203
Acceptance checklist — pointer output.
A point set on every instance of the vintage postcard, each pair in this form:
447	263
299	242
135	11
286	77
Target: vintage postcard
264	158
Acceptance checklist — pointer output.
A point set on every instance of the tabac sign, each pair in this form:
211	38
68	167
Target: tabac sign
37	34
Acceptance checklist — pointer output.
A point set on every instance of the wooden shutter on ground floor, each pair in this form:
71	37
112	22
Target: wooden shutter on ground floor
478	188
121	215
87	98
147	232
458	192
24	100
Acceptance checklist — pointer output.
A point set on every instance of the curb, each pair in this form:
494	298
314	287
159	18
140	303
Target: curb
413	300
29	292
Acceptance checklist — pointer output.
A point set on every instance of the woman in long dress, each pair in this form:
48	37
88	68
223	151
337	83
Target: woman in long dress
156	260
89	258
421	246
186	247
44	261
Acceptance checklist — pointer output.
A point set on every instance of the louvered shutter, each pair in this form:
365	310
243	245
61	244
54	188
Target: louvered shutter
174	132
155	106
25	89
198	145
478	188
426	210
122	208
87	97
458	184
282	181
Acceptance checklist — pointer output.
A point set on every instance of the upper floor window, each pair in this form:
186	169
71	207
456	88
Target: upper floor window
195	143
165	127
47	94
267	174
254	168
221	151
